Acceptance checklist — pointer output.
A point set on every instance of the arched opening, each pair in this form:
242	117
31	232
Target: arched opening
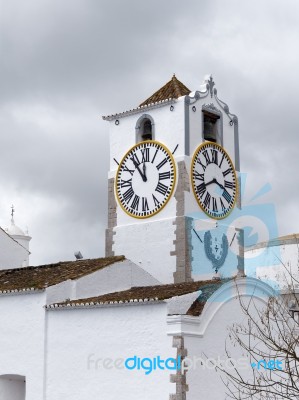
144	128
12	387
147	133
210	126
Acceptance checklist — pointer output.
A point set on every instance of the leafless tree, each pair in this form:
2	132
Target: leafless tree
269	337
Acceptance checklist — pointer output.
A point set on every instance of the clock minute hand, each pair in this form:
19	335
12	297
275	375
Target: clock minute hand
219	184
141	174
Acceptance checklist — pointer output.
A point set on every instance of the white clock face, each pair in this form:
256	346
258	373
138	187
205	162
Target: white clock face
145	179
214	180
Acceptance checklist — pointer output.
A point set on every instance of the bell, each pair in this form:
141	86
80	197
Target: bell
147	130
209	129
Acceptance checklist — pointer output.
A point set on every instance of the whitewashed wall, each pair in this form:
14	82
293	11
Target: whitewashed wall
148	244
12	254
76	335
169	130
274	264
22	340
206	336
114	278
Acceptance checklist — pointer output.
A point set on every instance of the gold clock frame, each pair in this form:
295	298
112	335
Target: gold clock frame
234	172
172	189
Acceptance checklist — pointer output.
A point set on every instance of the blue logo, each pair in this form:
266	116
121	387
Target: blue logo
271	364
244	228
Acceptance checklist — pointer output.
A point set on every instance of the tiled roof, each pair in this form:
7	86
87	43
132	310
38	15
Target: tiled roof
138	109
172	90
43	276
150	293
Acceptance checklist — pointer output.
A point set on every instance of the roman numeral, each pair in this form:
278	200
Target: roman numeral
228	171
222	205
128	170
207	157
228	185
164	175
125	183
163	162
200	163
144	204
221	161
214	156
161	188
201	189
145	155
215	209
207	199
156	201
198	176
154	156
227	196
128	195
135	202
135	159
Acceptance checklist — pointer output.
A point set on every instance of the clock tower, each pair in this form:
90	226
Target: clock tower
172	183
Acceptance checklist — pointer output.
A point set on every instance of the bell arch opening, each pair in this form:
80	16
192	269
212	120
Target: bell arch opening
145	128
12	387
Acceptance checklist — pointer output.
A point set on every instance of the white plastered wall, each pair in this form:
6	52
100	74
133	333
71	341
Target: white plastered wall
114	278
22	340
12	254
207	335
79	339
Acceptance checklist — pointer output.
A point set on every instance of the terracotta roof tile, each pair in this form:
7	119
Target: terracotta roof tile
172	90
43	276
158	292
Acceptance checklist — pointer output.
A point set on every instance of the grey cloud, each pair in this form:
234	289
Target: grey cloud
64	64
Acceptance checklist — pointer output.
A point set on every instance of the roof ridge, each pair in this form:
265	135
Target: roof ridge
171	90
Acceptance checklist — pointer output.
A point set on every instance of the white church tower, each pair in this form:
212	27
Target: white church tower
15	246
173	181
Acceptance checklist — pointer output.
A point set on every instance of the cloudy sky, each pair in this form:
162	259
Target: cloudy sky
65	63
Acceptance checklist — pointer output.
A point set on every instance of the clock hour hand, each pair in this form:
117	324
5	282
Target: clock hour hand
137	167
212	181
144	169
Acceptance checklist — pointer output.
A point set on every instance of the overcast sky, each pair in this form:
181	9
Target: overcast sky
65	63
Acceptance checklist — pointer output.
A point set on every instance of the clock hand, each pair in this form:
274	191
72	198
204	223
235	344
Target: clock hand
219	184
141	174
212	181
144	169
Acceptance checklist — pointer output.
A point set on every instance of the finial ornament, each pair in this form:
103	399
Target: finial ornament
12	213
211	85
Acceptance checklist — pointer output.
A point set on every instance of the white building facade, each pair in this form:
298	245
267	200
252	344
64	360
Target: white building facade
14	247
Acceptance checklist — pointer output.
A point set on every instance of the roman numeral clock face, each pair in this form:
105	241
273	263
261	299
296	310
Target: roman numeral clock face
214	180
145	179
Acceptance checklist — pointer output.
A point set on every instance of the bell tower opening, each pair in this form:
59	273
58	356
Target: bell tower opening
145	128
12	387
210	126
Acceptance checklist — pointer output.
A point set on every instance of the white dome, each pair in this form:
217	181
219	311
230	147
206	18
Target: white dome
14	230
